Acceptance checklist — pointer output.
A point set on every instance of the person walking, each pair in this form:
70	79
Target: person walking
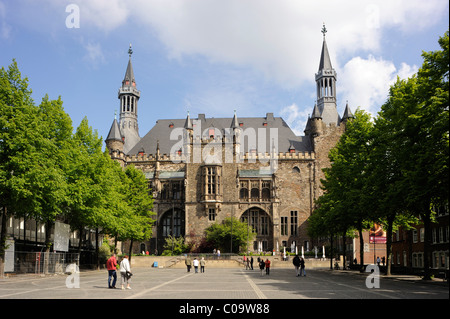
202	265
195	264
111	265
188	263
296	262
251	262
262	265
302	267
267	266
125	272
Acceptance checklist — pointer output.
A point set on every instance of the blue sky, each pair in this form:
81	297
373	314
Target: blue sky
216	56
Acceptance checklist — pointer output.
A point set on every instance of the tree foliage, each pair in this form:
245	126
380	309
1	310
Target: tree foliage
48	172
232	235
394	169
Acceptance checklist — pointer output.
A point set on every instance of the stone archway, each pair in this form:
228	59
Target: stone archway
171	223
262	224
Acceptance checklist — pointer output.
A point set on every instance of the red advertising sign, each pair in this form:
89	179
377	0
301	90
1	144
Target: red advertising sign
377	235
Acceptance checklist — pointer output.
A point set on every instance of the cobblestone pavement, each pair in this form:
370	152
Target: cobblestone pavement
222	284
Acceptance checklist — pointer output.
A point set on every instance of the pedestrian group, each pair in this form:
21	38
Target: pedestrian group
125	269
125	272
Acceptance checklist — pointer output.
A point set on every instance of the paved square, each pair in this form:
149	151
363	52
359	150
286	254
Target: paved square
221	284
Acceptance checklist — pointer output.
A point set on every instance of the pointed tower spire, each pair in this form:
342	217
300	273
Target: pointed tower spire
325	61
129	79
347	113
129	97
316	114
234	122
326	86
188	123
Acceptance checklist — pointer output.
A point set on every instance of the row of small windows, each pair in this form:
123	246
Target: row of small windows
172	190
255	191
128	103
439	259
438	235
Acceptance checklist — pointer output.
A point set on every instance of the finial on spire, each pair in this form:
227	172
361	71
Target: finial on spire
130	51
324	30
115	114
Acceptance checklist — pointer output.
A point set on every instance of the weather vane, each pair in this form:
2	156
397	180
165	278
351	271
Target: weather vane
130	52
324	30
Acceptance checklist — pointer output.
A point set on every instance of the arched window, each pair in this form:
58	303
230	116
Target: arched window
254	194
172	224
296	170
265	194
243	194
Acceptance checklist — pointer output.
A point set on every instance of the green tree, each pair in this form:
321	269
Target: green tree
231	235
85	180
417	116
18	123
46	166
140	201
344	204
174	246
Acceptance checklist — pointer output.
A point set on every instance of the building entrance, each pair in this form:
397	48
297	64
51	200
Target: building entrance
262	224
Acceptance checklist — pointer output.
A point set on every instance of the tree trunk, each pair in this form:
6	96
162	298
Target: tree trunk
3	243
48	244
426	218
344	248
131	250
331	252
390	222
80	242
361	249
96	249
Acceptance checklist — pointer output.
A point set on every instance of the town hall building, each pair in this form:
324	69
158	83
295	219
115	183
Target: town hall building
203	169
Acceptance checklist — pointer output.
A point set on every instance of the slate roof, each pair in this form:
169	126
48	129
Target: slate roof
114	132
129	75
163	128
325	61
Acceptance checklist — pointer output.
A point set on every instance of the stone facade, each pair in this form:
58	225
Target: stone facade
214	173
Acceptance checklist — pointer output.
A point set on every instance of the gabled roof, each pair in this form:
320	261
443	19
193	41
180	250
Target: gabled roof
162	131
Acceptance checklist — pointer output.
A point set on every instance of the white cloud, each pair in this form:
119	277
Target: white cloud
295	118
366	82
104	14
5	28
94	54
279	40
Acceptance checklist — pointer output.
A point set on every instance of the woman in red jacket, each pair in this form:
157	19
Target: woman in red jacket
111	265
267	266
